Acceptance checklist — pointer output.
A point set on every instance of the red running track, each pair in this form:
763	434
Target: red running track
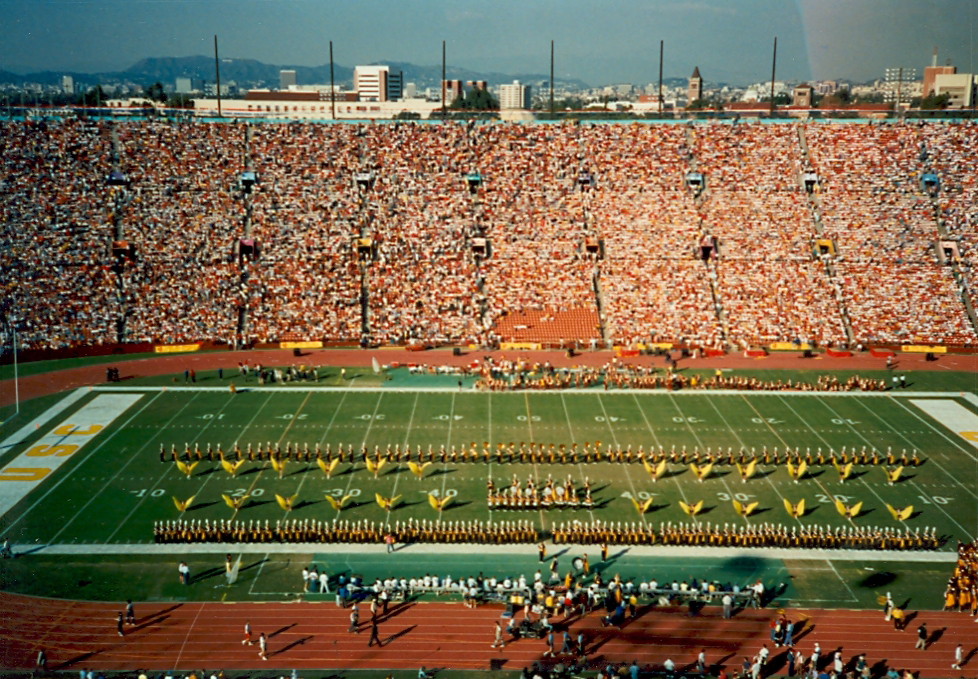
184	636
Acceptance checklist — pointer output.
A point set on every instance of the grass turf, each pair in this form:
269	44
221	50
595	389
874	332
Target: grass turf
114	494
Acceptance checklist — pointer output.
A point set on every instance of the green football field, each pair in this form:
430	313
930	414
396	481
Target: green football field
113	489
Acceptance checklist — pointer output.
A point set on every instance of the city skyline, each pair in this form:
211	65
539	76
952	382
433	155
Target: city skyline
597	42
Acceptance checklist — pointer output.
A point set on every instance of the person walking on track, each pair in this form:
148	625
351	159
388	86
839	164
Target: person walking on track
374	633
130	613
498	642
262	646
118	625
247	635
958	657
921	637
354	620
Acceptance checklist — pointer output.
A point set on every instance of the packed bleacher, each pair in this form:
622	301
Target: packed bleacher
374	233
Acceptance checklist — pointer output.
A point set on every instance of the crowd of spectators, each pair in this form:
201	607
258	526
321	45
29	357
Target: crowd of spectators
875	207
372	232
55	233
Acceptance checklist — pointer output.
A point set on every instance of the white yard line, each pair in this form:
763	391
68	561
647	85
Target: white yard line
767	477
166	471
852	594
570	428
700	444
910	481
938	431
631	484
448	446
220	469
407	434
536	470
260	567
491	450
785	444
305	472
366	435
930	459
657	443
829	495
122	467
86	459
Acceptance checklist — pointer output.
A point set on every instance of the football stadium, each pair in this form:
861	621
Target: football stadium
516	399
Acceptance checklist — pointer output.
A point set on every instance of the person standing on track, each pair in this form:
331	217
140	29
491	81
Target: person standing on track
262	646
701	662
247	634
118	625
130	613
958	657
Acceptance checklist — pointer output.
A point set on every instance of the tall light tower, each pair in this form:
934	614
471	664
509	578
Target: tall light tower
894	91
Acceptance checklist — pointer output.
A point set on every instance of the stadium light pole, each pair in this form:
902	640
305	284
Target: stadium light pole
661	46
217	72
332	83
443	80
774	62
13	325
551	78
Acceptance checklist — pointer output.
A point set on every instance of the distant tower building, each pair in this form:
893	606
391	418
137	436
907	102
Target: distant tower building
515	96
453	90
286	78
477	84
801	96
67	84
410	91
695	90
931	72
395	86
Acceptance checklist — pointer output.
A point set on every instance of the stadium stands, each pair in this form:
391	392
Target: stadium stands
374	233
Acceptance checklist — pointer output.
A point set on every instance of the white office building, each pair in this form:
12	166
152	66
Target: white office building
962	88
515	96
377	83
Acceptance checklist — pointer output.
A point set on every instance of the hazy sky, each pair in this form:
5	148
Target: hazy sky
599	41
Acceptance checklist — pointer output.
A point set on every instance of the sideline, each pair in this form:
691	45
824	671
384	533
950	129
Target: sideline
195	549
967	395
